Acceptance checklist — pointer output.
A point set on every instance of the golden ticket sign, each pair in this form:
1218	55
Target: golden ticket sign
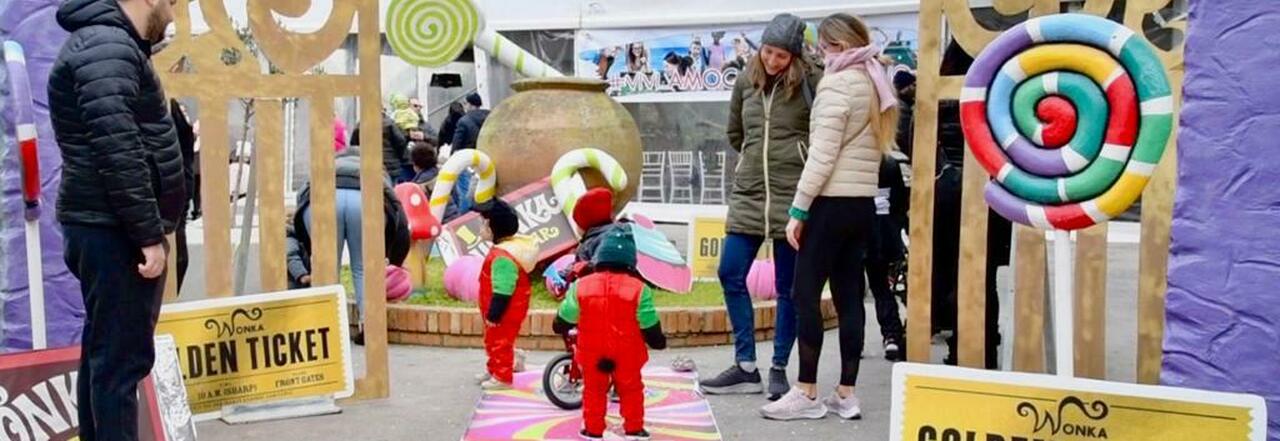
261	348
706	242
940	403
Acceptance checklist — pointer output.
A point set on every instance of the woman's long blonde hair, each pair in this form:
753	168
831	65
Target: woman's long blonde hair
791	80
851	32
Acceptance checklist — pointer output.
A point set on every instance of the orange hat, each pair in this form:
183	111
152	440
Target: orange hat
594	208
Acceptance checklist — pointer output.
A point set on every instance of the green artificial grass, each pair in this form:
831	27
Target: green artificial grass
702	294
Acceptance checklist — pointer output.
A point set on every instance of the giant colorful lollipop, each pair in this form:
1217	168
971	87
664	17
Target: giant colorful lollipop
432	33
1025	93
1014	118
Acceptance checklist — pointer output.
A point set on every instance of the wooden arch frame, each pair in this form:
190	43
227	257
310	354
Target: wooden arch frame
212	84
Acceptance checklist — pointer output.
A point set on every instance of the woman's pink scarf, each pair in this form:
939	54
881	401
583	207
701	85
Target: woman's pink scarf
866	58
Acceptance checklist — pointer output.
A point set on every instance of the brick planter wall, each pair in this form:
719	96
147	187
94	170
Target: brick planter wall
464	328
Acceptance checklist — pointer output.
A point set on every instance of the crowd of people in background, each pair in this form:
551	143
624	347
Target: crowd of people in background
412	152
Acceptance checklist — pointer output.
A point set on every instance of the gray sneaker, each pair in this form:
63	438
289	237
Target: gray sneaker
794	405
733	380
778	383
848	407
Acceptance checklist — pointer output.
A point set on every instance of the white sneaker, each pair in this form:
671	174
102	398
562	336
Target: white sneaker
482	377
848	407
494	385
518	366
793	406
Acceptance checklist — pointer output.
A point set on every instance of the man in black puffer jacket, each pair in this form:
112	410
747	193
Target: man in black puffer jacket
468	130
122	191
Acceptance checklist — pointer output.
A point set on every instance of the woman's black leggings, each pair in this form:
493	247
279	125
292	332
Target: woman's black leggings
832	248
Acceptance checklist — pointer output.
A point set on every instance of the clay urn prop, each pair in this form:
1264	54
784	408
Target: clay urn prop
549	117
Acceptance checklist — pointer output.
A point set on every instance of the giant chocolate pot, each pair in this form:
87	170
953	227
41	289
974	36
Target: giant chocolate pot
546	118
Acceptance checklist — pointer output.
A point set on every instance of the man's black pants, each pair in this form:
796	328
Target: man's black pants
121	309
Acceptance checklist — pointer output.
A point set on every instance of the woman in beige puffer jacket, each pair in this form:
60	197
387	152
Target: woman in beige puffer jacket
852	125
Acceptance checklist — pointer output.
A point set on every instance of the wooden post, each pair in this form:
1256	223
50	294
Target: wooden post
269	150
923	162
1029	300
1091	302
1157	209
971	295
215	154
376	382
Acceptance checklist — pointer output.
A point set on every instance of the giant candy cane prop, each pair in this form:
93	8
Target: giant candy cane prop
457	164
568	184
432	33
16	63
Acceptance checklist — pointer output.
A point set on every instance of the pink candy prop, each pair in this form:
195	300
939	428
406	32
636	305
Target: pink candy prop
462	279
760	280
558	265
398	286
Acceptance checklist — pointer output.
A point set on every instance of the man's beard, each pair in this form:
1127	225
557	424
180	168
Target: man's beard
157	22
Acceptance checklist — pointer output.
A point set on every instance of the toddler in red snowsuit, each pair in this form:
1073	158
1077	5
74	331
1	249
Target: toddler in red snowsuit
504	291
616	318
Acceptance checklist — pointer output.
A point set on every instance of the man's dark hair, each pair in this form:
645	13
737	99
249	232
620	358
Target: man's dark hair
423	154
474	100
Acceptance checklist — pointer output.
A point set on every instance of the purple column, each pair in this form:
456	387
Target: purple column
31	23
1223	319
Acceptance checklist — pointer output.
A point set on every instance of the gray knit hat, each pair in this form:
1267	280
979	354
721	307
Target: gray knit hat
785	31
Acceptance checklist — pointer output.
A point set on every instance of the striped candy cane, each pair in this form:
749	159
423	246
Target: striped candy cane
24	117
432	33
568	184
458	163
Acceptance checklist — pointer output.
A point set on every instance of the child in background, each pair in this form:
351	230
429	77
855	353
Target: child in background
504	291
885	248
422	154
593	214
616	318
298	257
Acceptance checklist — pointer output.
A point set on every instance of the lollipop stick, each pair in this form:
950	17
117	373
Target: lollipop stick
1063	313
509	54
35	282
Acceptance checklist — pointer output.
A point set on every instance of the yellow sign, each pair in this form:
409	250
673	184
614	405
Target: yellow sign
939	403
261	348
706	242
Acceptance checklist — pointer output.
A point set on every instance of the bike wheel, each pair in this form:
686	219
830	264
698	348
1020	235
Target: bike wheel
563	391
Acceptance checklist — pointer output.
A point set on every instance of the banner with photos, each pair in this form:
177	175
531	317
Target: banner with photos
704	62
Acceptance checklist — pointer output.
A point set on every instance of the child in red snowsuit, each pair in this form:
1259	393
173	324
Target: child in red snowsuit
614	312
594	216
504	291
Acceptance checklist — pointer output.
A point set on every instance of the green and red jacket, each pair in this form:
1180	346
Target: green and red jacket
612	309
504	280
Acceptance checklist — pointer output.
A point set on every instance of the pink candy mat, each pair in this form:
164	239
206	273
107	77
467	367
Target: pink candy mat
674	410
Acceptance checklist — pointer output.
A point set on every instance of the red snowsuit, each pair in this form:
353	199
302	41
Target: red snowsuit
610	309
499	341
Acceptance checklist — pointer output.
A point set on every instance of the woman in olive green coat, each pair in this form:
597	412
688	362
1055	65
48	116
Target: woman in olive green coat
769	127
